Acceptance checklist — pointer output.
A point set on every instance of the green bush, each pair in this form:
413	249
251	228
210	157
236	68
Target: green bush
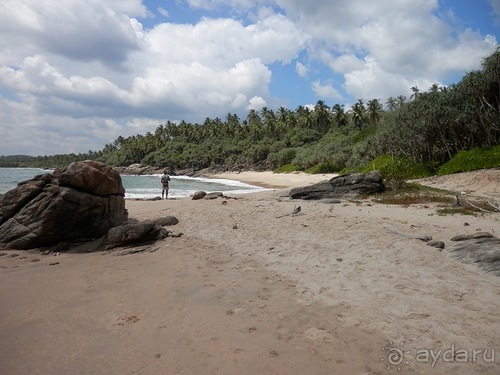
397	167
287	168
395	170
321	168
282	157
472	160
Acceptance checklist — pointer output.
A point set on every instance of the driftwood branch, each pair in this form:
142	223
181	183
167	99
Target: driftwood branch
424	237
476	207
296	211
497	208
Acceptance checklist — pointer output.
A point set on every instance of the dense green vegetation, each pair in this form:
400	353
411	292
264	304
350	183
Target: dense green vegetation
477	158
411	138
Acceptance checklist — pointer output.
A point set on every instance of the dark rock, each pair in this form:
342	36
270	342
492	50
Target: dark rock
436	244
134	233
166	221
199	195
12	201
79	203
348	185
481	249
214	195
465	237
138	170
92	177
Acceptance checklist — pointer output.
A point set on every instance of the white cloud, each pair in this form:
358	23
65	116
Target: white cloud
372	82
301	69
256	103
163	12
495	5
212	4
327	91
27	131
406	39
117	71
224	42
343	63
75	30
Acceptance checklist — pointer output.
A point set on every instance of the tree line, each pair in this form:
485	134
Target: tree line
429	127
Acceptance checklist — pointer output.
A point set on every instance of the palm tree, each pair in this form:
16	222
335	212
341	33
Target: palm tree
401	100
322	116
305	117
391	103
358	111
434	88
339	115
374	110
270	121
491	69
285	120
255	124
415	90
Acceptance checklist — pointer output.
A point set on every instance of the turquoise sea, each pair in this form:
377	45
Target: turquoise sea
141	186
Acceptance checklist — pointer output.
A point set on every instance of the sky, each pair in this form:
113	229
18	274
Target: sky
77	74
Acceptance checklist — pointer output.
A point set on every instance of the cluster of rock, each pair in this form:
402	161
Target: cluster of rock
204	195
139	170
81	203
343	186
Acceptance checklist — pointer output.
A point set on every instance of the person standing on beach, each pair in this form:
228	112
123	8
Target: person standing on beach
165	179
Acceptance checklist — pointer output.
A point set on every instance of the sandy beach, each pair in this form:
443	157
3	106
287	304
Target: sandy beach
250	289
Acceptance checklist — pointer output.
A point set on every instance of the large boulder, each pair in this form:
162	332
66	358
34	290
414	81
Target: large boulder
347	185
81	202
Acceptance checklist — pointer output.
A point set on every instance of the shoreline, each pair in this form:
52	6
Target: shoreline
273	180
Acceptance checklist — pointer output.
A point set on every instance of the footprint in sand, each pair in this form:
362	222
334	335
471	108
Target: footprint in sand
305	297
248	330
318	334
264	294
126	319
418	316
281	334
236	310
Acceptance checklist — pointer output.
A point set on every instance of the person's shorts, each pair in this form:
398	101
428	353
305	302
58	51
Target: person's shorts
165	186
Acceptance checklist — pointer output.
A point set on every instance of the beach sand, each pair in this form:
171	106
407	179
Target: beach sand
250	289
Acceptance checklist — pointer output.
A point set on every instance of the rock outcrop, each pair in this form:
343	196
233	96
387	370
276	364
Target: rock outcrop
343	186
199	195
79	203
128	234
204	195
481	249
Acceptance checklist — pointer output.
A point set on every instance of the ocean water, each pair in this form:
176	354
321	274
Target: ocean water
142	187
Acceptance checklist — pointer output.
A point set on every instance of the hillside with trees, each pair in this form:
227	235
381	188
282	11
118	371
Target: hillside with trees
426	130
